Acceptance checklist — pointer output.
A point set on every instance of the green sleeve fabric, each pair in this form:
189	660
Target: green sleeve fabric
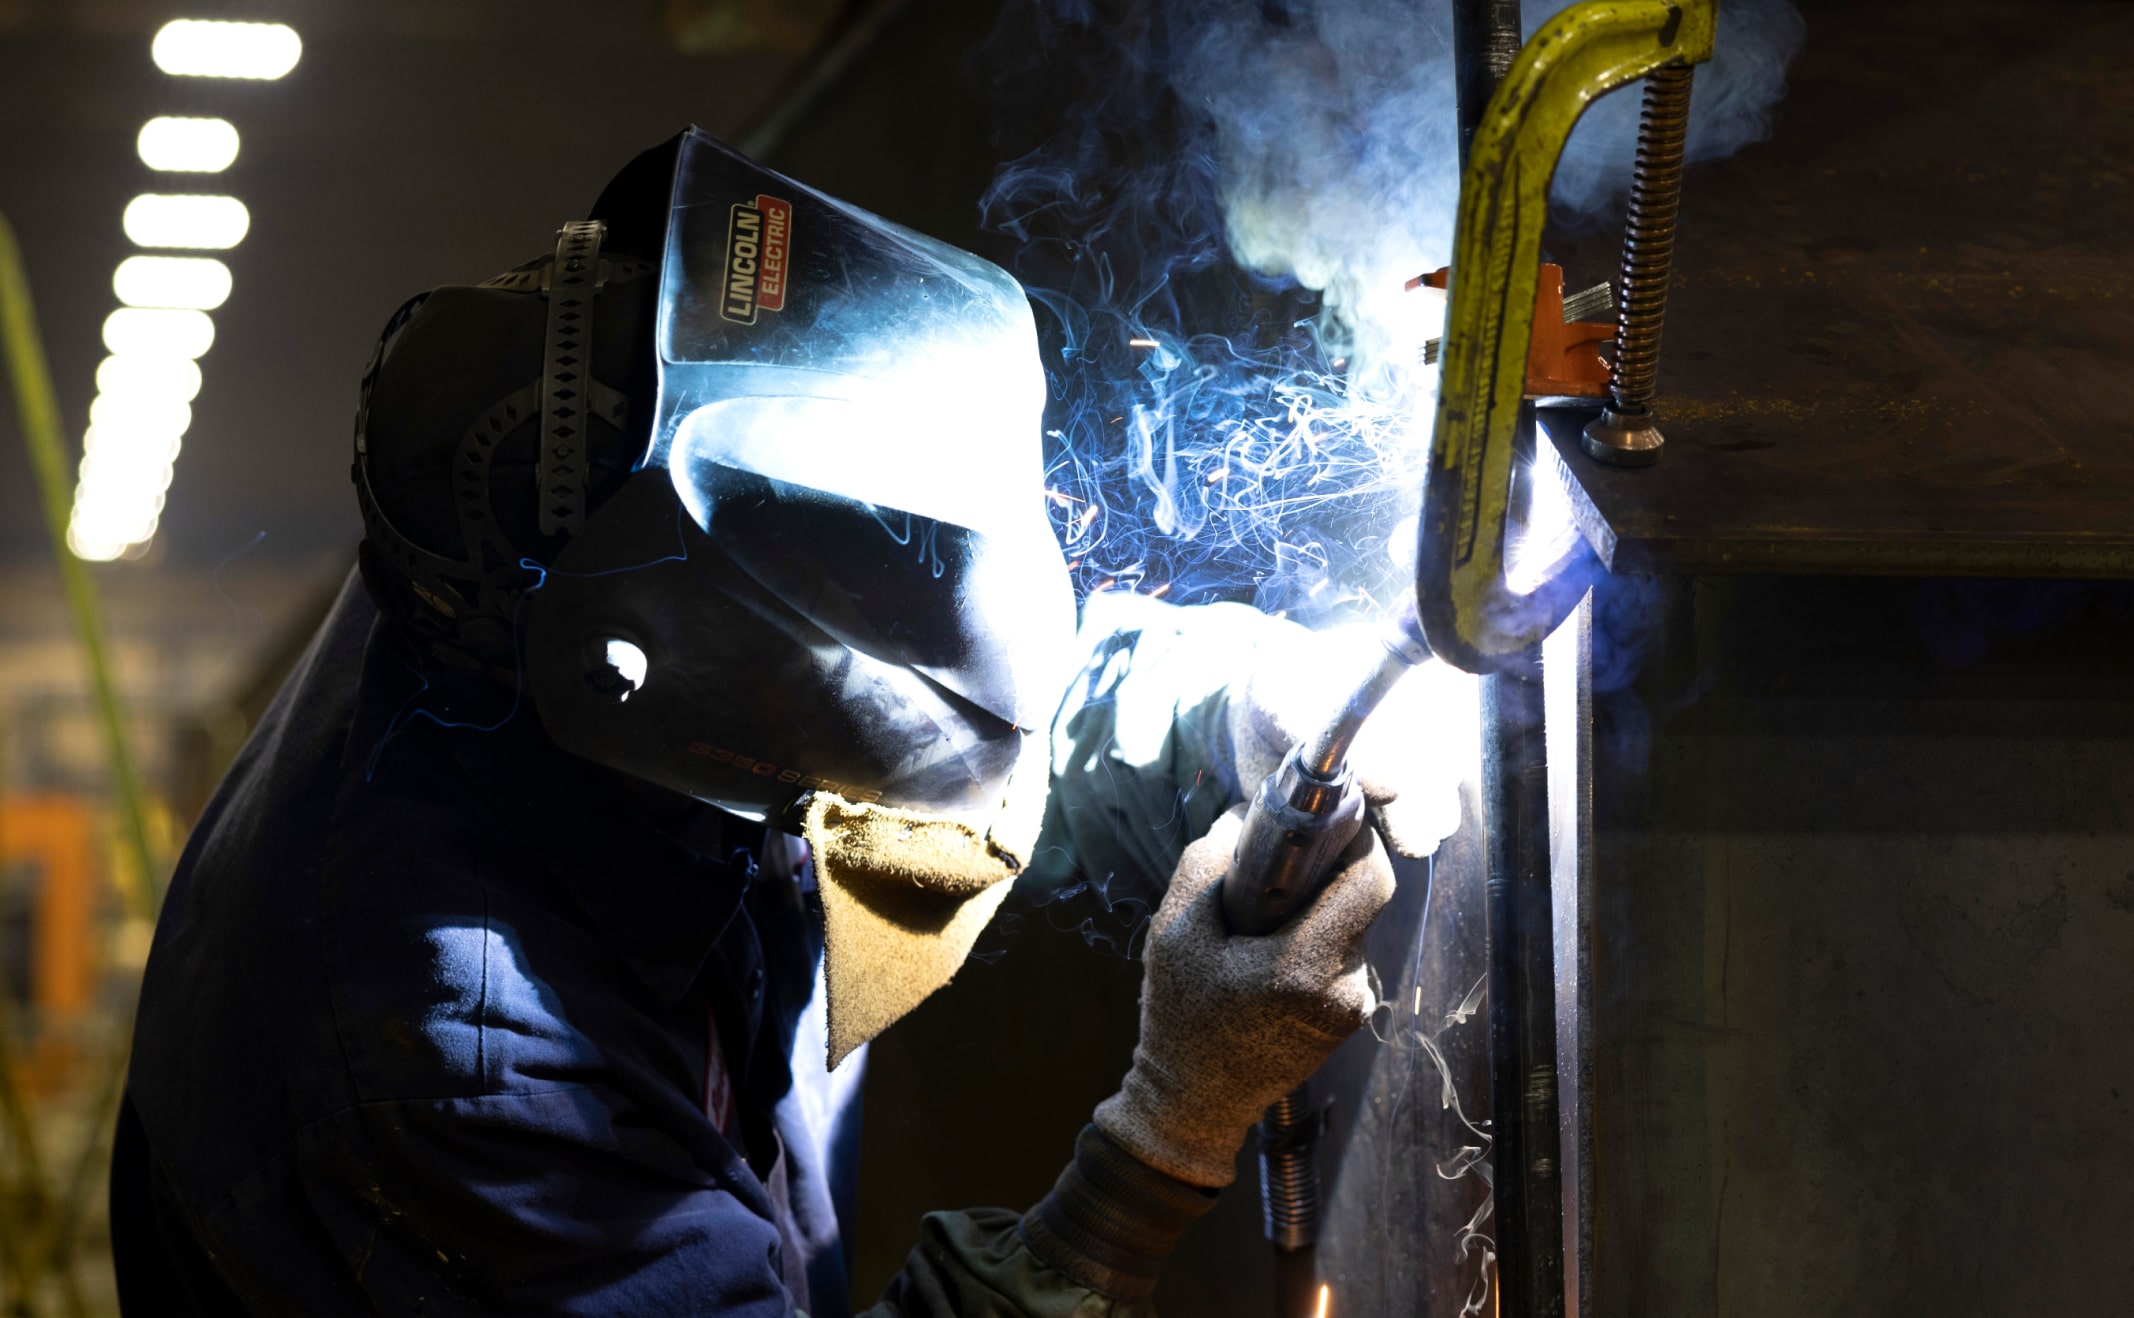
1141	760
975	1264
1090	1249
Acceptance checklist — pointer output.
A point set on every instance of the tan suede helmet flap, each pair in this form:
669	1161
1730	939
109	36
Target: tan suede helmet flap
906	894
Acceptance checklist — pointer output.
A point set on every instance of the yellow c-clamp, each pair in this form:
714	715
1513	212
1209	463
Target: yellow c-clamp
1470	614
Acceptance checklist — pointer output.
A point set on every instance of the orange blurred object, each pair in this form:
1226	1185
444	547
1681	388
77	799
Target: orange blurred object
49	842
1563	361
55	836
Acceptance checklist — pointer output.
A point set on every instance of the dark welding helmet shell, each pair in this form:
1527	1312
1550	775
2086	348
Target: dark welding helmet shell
784	646
831	568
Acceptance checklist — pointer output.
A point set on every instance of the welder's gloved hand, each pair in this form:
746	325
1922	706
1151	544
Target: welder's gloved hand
1409	758
1229	1024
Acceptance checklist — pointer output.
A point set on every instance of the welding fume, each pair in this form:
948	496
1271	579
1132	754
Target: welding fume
710	673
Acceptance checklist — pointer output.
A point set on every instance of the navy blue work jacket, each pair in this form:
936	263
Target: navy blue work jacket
428	1028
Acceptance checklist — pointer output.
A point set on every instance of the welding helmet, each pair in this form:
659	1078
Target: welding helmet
740	490
820	563
831	570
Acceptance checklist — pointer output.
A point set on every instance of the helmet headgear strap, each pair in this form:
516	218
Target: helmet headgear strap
470	600
574	279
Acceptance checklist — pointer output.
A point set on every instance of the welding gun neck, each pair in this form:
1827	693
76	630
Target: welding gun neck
1323	756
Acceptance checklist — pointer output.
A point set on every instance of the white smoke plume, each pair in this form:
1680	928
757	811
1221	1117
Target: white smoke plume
1334	134
1217	204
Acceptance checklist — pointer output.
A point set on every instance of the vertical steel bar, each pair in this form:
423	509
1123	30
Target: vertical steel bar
1522	1011
1567	689
1522	1029
1485	40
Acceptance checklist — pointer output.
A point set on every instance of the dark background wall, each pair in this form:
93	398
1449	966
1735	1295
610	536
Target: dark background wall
1864	930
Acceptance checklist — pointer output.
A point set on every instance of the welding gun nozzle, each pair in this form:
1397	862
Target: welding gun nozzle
1405	648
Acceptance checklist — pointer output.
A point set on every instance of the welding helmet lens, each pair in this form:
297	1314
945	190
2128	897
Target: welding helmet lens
832	569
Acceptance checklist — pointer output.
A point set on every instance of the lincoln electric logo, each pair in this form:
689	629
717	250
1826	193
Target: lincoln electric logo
757	238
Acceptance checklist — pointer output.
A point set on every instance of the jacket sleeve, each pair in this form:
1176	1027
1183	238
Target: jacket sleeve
1091	1248
1141	760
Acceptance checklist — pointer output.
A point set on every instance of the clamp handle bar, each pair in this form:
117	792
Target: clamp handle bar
1470	614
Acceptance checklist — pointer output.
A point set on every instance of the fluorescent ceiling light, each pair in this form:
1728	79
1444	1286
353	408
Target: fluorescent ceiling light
121	494
190	146
158	331
124	515
197	282
159	220
113	413
104	531
149	377
146	385
89	544
113	476
197	48
130	445
124	493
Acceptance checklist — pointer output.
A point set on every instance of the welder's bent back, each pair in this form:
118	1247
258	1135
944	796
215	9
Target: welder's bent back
424	1028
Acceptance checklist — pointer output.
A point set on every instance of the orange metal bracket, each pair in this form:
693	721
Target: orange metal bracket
1564	360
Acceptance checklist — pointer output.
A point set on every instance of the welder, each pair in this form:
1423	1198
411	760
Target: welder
710	675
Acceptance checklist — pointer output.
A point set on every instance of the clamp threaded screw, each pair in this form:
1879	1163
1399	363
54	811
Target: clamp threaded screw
1625	435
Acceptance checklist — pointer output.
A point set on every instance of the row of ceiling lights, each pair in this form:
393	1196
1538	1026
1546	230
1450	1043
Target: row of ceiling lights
145	388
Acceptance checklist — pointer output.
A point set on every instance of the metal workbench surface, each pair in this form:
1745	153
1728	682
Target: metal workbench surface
1900	338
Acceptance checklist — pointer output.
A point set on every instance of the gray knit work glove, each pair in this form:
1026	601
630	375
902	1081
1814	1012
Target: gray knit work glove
1229	1024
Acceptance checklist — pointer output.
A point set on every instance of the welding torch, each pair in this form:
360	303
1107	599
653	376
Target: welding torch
1304	817
1308	811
